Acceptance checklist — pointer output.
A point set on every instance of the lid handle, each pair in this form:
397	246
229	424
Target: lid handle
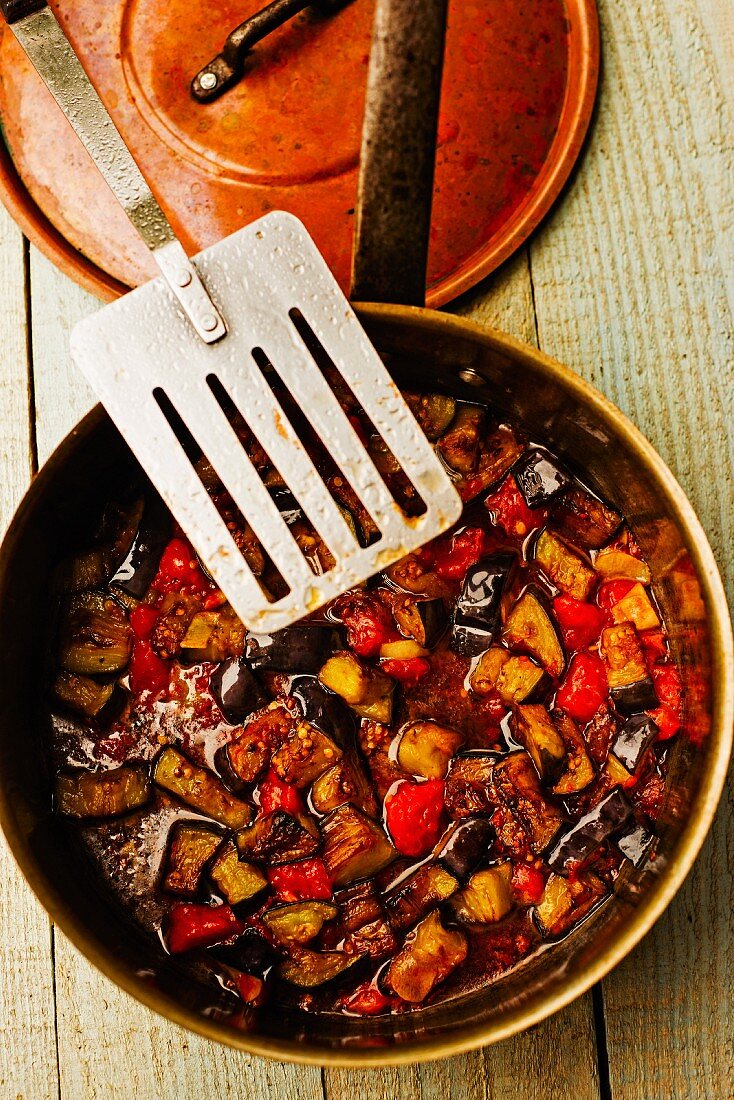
399	152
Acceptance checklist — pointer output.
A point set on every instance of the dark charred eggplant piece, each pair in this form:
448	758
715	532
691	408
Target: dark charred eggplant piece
96	637
478	607
498	452
135	574
486	898
469	639
323	709
459	446
636	843
304	756
530	627
433	411
576	845
469	784
90	698
533	727
199	788
235	880
354	846
633	739
418	894
539	477
368	691
375	741
251	953
585	520
309	969
276	838
286	503
515	782
563	568
423	620
630	685
86	794
213	636
363	917
298	648
190	847
241	761
600	733
299	922
579	771
430	953
466	846
426	749
236	691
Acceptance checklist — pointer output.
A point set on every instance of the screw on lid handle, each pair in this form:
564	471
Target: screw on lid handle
399	152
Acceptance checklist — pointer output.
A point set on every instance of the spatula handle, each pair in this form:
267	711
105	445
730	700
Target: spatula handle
39	33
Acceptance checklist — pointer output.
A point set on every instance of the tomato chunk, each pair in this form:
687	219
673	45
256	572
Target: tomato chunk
179	569
274	794
453	556
528	882
303	881
367	1000
584	687
147	671
669	715
369	623
415	816
581	623
612	592
509	511
191	926
409	672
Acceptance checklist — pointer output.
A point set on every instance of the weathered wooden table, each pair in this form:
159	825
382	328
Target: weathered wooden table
631	282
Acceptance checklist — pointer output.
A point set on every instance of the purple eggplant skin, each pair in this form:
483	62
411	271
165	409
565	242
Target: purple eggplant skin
636	843
469	640
477	611
539	477
435	619
251	953
324	710
135	574
236	691
631	699
298	648
633	739
286	504
467	845
576	845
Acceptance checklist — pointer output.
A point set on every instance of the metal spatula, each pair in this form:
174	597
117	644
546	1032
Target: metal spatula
224	323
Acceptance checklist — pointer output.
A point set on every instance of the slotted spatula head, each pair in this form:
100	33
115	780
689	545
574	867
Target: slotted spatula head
142	356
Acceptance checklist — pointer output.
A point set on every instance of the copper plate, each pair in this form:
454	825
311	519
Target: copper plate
519	87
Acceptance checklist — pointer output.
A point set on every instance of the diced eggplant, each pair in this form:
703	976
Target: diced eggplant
286	503
242	760
86	794
498	453
630	684
600	733
636	607
565	569
343	783
213	636
486	898
426	748
96	636
354	846
540	477
576	845
309	969
359	904
466	845
579	771
533	727
376	940
367	690
199	788
470	639
140	565
89	698
429	955
298	648
585	520
469	784
418	894
433	411
375	741
304	756
235	880
618	565
634	738
251	953
177	611
190	846
276	838
299	922
459	445
323	709
88	569
423	620
516	784
514	677
555	904
530	627
413	575
616	773
478	606
235	690
636	843
358	519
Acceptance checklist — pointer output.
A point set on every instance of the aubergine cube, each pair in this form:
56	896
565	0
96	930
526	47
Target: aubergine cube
235	880
576	845
236	691
355	846
427	748
298	648
633	739
135	574
276	838
323	709
533	727
585	520
481	593
470	639
213	636
199	788
101	701
636	843
467	844
469	788
251	953
360	904
423	620
632	698
630	685
486	898
298	922
516	784
539	477
416	895
579	771
308	969
95	636
530	627
86	794
241	761
429	955
190	847
304	756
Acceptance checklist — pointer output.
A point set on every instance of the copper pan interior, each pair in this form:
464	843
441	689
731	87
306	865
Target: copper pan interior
428	350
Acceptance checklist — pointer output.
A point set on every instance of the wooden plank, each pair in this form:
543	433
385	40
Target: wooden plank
633	288
27	1035
109	1045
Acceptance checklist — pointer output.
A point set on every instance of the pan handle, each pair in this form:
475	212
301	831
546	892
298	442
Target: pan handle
399	152
40	35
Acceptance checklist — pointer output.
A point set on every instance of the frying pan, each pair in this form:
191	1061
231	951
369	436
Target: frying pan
432	351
